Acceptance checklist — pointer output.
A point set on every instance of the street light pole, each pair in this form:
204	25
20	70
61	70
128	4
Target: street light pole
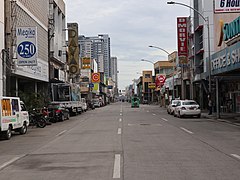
173	94
206	19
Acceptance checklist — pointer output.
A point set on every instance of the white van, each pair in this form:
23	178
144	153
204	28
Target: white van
13	116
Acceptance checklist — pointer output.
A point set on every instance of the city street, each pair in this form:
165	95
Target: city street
120	142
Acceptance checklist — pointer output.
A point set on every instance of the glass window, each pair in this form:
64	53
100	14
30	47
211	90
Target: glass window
147	75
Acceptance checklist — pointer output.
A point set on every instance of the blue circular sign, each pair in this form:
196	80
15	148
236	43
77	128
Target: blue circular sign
26	49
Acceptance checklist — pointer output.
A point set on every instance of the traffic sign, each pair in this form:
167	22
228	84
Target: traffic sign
162	79
91	85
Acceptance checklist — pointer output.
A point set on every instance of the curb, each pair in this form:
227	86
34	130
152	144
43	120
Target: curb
221	120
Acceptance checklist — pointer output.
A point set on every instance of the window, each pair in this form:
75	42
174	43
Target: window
147	75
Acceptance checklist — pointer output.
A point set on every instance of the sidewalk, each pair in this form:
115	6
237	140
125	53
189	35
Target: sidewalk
232	118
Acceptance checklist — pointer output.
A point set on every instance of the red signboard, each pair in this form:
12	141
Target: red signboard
182	36
160	80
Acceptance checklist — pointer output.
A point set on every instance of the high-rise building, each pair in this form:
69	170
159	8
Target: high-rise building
114	70
98	48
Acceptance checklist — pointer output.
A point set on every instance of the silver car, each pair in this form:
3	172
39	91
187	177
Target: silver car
187	108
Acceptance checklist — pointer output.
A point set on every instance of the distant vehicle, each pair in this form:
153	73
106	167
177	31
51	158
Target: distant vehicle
58	112
170	108
145	101
187	108
13	116
96	103
68	95
135	102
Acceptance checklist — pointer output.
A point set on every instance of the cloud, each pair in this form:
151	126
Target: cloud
132	25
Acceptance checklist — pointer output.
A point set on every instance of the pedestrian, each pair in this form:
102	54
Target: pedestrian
209	105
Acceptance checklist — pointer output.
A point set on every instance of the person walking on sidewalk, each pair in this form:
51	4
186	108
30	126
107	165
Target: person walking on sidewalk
209	105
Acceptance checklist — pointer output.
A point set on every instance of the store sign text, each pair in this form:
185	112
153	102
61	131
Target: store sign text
227	6
231	29
230	58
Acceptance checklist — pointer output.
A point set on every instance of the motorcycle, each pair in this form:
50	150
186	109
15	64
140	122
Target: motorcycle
37	119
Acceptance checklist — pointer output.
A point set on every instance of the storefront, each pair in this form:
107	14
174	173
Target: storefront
226	69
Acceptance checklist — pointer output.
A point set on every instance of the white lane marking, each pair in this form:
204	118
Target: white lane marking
154	114
120	120
236	156
164	119
119	131
116	168
190	132
120	114
61	133
11	161
147	111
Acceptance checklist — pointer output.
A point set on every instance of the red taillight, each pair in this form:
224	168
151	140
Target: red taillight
183	108
58	111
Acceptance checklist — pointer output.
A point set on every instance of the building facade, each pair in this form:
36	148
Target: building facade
98	48
2	50
29	78
57	41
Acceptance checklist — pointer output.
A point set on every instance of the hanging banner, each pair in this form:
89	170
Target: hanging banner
182	37
26	46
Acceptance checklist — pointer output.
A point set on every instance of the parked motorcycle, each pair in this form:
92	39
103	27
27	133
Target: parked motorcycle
37	119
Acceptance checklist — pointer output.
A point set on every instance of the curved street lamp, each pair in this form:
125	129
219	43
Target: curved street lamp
206	19
173	94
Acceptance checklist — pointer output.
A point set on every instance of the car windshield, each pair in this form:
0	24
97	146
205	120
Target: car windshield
190	103
174	102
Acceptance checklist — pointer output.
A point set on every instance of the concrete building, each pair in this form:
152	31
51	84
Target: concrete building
97	47
114	73
57	41
1	45
23	75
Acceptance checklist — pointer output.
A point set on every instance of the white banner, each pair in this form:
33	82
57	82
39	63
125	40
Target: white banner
224	6
26	46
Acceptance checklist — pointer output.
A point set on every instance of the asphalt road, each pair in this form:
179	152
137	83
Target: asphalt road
119	142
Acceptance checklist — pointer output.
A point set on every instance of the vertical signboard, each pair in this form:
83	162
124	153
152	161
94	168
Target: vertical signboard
182	37
26	46
73	48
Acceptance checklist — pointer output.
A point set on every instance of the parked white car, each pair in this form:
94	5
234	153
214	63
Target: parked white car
171	106
187	108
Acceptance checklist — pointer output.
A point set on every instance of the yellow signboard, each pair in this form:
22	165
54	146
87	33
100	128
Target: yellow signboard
151	85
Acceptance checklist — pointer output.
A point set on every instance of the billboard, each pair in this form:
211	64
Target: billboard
226	6
182	37
73	48
95	77
26	46
86	63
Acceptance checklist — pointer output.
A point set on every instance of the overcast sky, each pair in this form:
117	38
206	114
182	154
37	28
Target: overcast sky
132	25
